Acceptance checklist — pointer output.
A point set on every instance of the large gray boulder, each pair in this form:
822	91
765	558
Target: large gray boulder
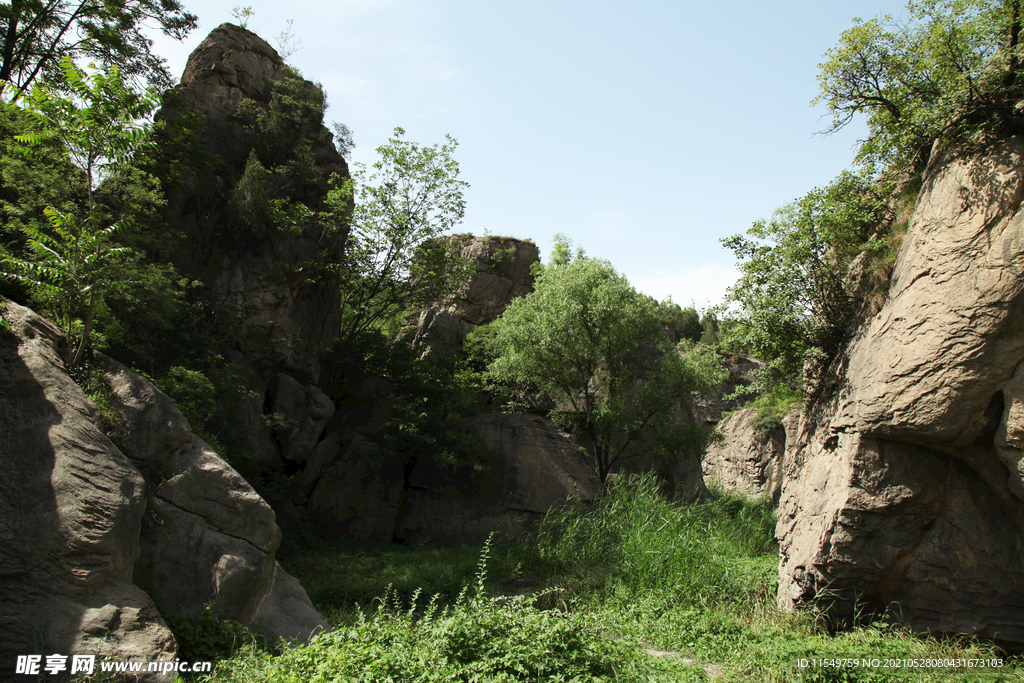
207	537
72	508
536	467
903	492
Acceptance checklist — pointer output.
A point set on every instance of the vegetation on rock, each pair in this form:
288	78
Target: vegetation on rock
592	343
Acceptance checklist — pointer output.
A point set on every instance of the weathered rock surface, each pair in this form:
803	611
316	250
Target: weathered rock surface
747	461
207	536
303	412
86	539
502	272
272	315
72	507
902	491
359	495
539	467
281	314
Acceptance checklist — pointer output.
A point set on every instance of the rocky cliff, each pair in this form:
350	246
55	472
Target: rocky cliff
92	531
274	309
904	493
502	271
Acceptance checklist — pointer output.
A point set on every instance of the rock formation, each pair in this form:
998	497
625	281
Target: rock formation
537	467
353	491
502	272
88	539
274	317
73	506
747	461
904	490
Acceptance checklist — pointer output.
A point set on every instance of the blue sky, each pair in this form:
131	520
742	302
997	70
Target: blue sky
644	131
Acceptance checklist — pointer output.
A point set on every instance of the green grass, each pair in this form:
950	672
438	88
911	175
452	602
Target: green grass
636	588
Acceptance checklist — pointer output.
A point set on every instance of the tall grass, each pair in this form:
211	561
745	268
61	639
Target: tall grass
647	590
702	554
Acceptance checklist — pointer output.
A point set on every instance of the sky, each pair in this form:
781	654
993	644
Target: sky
645	131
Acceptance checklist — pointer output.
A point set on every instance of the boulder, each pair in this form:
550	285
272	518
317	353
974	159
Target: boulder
72	508
502	271
299	415
902	494
359	494
287	613
745	460
535	467
207	536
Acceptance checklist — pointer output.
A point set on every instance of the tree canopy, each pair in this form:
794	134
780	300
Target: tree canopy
592	343
397	256
794	294
951	62
35	34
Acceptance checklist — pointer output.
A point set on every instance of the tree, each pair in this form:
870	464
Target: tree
75	266
794	293
397	257
952	65
592	343
35	34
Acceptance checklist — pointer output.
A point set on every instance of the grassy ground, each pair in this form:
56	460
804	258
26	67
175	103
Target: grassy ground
637	589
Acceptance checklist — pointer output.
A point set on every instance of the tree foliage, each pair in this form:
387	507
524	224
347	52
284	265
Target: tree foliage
587	339
951	64
397	257
74	265
36	34
794	294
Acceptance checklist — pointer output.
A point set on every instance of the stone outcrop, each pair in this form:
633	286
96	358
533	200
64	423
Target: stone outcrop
746	460
502	272
359	495
537	467
92	531
207	536
903	492
73	506
280	315
351	489
273	317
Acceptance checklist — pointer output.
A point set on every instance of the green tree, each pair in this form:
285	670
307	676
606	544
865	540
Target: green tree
397	257
794	293
592	343
35	35
73	267
951	65
685	322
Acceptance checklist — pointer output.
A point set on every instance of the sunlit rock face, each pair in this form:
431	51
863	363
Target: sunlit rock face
904	491
502	271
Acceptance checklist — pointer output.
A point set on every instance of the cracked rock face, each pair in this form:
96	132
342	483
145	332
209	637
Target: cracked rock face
71	508
904	490
207	536
87	540
745	462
